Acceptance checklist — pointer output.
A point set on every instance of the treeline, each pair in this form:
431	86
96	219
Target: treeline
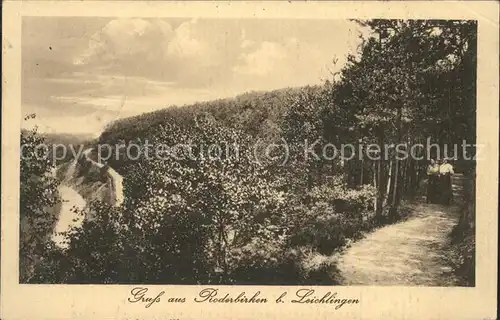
234	220
257	114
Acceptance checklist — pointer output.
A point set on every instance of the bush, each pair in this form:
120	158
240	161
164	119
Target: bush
327	232
277	265
336	214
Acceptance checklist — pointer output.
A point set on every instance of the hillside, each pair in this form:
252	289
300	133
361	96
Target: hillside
258	114
68	138
248	111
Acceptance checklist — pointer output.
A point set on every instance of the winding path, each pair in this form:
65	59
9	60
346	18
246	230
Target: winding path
72	199
67	217
405	253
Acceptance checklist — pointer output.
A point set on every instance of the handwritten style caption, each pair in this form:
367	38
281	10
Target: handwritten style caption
143	296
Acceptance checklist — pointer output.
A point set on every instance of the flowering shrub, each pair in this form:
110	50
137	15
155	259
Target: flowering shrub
229	200
334	215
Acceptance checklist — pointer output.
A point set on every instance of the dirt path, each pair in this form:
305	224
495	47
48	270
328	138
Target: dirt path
67	218
405	253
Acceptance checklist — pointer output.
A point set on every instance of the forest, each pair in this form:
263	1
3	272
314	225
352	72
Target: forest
231	220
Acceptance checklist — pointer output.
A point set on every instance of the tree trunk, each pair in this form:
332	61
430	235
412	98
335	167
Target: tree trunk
375	200
395	199
388	186
406	176
396	178
345	171
380	169
362	171
379	187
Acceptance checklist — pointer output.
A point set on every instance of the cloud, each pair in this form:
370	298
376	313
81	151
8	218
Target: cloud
203	52
123	39
303	54
196	53
262	60
187	43
128	46
289	62
247	43
100	69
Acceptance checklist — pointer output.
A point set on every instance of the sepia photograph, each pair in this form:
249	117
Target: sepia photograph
228	158
288	155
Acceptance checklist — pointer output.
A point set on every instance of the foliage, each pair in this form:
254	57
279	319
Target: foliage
233	196
280	266
39	201
463	237
335	214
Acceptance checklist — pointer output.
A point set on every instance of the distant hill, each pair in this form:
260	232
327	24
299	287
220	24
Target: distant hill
72	142
253	112
68	138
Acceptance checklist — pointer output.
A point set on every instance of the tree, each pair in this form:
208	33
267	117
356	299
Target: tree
39	201
388	90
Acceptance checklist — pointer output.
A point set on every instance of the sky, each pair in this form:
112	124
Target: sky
80	73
